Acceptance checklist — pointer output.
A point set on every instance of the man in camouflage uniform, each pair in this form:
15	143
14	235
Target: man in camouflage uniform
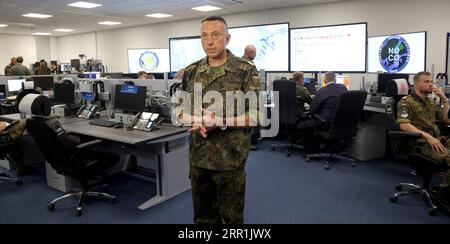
301	93
9	66
218	155
418	113
10	134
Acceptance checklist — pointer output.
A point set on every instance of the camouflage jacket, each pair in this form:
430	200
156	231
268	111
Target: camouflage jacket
420	113
13	132
302	98
222	150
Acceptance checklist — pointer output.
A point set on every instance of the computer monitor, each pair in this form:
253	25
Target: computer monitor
172	75
385	77
44	82
75	63
15	85
66	68
2	91
92	75
311	85
307	80
130	76
158	76
344	80
130	98
64	93
115	75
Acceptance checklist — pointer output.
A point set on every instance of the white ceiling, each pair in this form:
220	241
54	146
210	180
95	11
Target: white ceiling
129	12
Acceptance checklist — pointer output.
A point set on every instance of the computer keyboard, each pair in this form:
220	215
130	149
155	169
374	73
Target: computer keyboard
102	122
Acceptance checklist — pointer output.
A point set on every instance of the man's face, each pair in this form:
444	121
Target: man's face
43	64
252	54
13	61
424	84
215	38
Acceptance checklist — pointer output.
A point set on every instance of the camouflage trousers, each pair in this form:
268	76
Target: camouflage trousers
218	196
425	148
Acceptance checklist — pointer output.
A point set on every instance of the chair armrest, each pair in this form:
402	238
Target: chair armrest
321	120
89	144
404	135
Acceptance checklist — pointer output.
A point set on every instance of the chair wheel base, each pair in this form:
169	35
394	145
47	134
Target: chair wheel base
399	188
432	211
51	207
78	212
19	182
394	199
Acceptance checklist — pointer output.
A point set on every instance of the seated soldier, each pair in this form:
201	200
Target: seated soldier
10	133
418	113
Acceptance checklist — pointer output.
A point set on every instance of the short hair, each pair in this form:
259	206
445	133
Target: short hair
141	73
330	77
297	76
215	18
42	60
19	59
420	74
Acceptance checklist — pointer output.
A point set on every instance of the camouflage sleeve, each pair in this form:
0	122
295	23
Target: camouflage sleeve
252	84
440	113
13	133
404	112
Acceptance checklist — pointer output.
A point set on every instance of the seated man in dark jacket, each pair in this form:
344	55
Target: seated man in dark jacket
323	105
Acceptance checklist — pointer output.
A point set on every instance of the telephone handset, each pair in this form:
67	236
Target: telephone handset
146	121
88	111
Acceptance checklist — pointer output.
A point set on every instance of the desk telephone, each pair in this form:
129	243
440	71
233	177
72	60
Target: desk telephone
88	111
146	121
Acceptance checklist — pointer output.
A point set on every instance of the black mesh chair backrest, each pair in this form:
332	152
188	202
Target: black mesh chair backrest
54	144
348	112
288	103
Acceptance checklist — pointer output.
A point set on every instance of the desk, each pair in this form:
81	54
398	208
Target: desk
168	146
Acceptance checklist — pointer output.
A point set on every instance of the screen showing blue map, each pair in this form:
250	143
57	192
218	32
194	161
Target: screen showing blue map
271	42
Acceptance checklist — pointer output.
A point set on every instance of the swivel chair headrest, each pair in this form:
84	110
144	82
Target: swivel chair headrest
35	105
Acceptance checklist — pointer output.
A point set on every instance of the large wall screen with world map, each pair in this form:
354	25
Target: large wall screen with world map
402	53
184	51
271	42
149	60
340	48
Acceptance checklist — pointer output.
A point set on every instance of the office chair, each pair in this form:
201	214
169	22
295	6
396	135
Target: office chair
288	114
425	166
343	127
66	156
6	152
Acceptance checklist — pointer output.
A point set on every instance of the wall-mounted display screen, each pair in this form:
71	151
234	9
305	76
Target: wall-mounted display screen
149	60
402	53
339	48
271	42
184	51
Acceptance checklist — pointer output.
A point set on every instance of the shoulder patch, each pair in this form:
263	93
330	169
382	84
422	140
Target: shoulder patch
403	112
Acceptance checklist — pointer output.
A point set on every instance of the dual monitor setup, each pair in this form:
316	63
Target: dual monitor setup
63	92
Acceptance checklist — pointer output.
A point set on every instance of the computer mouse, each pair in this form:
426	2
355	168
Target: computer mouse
118	126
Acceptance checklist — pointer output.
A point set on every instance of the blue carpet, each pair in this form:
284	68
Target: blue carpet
279	190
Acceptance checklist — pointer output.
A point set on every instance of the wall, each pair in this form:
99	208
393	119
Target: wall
16	45
383	17
69	47
43	48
